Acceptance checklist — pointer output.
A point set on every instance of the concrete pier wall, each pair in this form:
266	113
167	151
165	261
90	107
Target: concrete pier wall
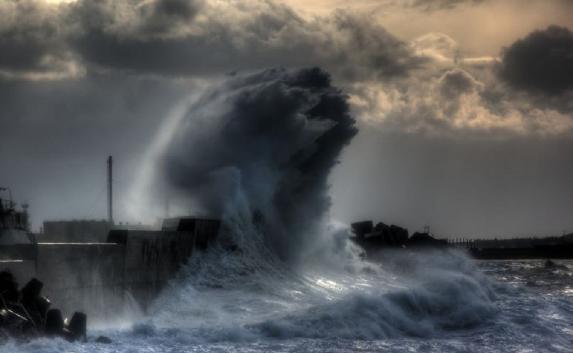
82	276
98	277
75	231
151	259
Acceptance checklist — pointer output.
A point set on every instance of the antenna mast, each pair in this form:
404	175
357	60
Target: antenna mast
110	190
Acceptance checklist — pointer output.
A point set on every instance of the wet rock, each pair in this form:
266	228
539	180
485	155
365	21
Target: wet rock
54	323
399	234
360	229
553	265
36	306
32	290
77	327
11	321
8	287
381	227
26	313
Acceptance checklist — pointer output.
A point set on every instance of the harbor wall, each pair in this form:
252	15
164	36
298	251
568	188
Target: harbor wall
75	231
99	277
84	277
151	258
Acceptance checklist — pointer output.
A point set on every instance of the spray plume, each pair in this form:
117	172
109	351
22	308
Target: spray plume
268	139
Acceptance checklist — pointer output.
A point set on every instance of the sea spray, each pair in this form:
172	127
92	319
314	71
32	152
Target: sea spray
442	291
272	137
256	151
141	203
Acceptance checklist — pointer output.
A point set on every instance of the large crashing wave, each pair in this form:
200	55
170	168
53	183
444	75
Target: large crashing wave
433	297
262	144
256	150
438	293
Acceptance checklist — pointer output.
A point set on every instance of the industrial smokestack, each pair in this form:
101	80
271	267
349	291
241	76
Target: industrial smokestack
110	190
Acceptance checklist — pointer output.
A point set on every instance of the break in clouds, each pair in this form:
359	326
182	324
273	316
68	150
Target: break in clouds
82	79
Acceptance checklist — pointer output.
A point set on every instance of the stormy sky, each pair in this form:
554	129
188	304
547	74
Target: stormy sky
464	107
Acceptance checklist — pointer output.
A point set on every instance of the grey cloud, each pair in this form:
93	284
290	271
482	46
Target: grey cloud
197	38
542	62
457	103
432	5
455	98
184	9
270	35
367	50
133	18
30	39
456	82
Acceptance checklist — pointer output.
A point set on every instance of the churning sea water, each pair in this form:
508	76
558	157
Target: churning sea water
435	302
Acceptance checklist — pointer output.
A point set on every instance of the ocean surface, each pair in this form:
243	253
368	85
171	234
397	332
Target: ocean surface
434	302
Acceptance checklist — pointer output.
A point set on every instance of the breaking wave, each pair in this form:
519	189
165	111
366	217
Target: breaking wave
421	311
213	303
256	151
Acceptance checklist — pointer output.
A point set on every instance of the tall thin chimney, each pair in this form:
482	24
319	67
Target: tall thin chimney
110	190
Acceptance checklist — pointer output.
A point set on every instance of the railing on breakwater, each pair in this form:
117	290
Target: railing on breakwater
465	243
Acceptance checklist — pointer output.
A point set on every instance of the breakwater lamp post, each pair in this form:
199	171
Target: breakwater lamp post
110	190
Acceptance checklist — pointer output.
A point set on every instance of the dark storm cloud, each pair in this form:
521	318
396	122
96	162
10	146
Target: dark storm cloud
255	36
193	37
542	62
30	39
135	18
183	9
456	82
431	5
163	16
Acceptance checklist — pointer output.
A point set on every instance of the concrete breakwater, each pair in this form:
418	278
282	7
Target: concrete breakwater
98	277
375	238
